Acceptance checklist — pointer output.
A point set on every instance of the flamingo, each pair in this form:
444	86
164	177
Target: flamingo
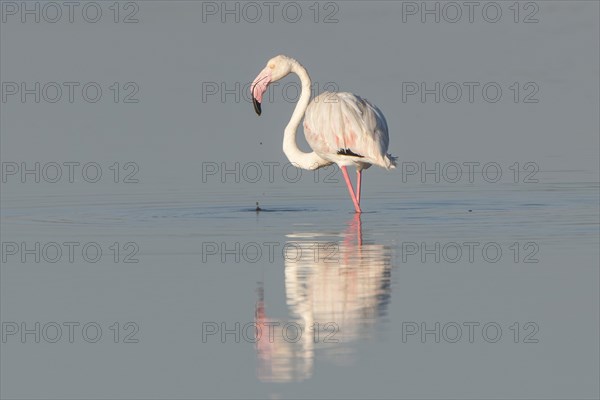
341	128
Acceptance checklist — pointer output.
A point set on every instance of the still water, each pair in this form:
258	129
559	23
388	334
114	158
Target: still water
435	290
174	287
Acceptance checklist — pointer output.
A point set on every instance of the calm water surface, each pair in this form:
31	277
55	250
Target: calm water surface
439	290
361	290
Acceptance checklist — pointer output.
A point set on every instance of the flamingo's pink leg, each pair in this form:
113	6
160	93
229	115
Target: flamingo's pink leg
358	179
350	190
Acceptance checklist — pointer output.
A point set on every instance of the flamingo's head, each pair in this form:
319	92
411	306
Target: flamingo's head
277	68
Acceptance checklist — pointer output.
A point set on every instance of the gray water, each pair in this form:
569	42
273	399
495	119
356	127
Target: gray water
476	285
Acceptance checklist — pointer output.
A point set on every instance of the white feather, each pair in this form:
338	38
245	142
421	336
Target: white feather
336	122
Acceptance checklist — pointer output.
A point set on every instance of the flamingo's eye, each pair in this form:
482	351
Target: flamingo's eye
272	66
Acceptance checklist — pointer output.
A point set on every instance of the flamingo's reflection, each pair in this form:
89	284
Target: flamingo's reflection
336	298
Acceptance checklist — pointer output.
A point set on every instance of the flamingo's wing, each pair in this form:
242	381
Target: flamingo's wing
346	125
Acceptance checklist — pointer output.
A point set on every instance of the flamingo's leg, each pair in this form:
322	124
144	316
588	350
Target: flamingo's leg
358	179
350	190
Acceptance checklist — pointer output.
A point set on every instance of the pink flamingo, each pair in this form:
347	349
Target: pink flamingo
341	128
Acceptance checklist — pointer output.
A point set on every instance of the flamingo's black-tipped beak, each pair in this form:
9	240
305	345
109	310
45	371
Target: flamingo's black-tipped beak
256	106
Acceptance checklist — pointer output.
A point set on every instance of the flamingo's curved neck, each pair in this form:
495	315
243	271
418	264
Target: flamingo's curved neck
296	156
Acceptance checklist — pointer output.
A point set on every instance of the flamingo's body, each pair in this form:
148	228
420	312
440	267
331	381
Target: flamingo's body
341	128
